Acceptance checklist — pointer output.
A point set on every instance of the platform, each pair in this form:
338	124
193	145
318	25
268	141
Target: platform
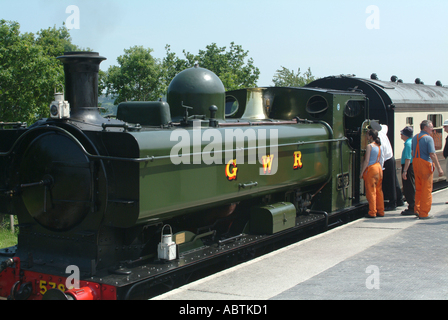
394	257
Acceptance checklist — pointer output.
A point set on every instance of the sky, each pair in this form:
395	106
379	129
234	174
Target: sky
408	39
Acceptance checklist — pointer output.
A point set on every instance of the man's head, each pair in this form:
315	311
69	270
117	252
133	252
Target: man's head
427	126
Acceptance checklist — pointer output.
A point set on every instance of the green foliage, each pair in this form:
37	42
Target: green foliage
56	41
141	77
233	67
107	107
29	71
172	65
137	78
287	78
7	238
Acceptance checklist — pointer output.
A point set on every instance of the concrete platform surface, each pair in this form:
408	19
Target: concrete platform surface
394	257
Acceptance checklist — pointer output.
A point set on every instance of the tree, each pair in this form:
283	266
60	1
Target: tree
171	66
141	77
29	71
56	41
287	78
28	75
235	70
137	78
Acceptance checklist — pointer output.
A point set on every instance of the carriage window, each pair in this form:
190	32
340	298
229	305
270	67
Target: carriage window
410	121
437	134
436	119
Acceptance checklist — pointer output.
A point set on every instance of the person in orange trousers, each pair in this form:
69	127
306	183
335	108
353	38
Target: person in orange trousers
372	173
424	160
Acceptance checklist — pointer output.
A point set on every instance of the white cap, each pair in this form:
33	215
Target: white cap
445	123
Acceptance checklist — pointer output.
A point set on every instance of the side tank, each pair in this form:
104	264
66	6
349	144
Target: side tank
197	168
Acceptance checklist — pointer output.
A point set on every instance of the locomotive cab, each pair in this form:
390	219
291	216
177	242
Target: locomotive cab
343	111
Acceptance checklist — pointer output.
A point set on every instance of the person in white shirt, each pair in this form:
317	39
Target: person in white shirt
391	187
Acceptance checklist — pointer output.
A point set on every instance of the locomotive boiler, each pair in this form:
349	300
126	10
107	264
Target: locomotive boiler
98	194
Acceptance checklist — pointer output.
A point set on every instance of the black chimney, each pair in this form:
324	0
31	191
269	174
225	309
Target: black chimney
81	85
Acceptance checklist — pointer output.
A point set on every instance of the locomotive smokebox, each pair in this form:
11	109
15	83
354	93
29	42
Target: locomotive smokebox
81	84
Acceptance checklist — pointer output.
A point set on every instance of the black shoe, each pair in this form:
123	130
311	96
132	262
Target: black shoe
390	208
408	212
425	218
400	203
369	216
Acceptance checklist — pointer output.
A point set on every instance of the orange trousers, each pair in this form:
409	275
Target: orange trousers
373	179
423	172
